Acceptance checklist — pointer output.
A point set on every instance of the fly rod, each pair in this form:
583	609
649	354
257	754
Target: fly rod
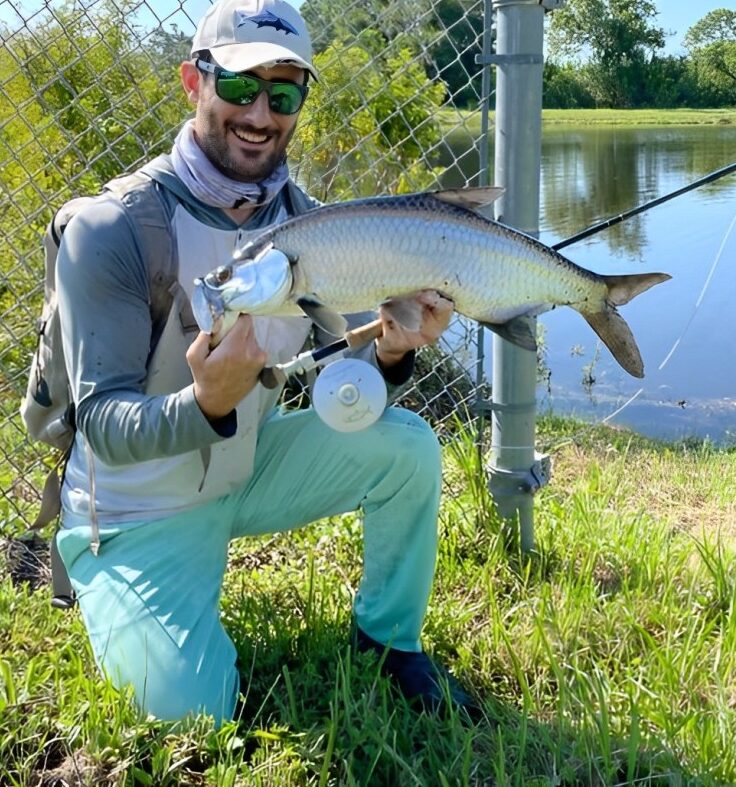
277	375
719	173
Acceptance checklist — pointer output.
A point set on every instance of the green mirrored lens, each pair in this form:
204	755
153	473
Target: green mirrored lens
237	89
285	99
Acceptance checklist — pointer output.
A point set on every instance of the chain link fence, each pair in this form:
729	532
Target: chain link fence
90	89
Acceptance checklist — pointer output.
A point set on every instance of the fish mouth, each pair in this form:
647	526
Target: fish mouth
208	306
257	285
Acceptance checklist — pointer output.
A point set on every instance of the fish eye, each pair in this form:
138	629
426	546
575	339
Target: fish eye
222	274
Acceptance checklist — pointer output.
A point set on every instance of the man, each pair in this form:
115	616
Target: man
179	449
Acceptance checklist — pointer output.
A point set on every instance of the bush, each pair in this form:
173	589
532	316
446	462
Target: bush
564	88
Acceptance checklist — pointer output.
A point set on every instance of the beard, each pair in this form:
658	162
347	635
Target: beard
241	165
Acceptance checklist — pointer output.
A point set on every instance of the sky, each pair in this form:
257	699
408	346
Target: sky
675	16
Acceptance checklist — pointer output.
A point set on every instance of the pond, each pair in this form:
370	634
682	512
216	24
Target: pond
686	327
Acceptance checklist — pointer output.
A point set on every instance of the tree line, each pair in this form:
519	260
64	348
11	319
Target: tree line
609	53
600	53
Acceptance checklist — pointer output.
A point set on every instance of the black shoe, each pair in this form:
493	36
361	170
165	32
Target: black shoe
419	679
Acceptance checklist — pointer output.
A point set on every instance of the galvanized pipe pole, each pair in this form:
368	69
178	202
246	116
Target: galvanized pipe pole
514	472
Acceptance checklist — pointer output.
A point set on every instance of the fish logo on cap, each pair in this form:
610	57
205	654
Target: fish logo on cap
267	19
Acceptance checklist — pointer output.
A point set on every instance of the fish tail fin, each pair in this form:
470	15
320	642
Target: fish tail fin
616	335
611	326
621	289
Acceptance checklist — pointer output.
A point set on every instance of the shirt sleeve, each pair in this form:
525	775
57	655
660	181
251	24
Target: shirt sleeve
103	292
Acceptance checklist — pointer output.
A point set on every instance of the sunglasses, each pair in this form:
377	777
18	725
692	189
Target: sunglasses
286	98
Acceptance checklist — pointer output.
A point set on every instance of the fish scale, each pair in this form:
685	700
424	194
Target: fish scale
359	258
353	256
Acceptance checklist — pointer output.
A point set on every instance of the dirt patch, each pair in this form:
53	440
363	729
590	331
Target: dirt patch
62	768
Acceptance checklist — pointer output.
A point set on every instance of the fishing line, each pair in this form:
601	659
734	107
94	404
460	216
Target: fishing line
622	408
663	363
699	301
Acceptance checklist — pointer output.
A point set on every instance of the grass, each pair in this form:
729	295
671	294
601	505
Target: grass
469	121
605	657
640	117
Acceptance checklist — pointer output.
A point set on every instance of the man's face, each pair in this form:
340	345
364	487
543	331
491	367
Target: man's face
246	143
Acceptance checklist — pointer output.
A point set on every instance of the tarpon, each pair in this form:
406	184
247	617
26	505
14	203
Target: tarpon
353	256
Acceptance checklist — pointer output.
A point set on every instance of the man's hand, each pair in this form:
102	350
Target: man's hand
227	374
434	313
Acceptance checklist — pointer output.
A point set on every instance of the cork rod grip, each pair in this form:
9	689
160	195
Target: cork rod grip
364	334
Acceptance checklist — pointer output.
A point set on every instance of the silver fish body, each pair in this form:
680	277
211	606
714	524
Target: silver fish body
353	256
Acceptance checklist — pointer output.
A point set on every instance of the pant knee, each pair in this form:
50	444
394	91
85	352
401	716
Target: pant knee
185	690
403	458
414	442
410	433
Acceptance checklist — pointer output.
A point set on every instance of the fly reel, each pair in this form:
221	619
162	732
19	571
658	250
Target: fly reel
349	395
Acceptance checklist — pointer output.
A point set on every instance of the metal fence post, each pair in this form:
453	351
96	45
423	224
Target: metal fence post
513	473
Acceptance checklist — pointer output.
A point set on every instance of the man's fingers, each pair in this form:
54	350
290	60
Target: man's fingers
244	340
237	337
437	312
199	349
435	302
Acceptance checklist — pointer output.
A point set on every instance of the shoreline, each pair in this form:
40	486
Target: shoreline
724	117
638	117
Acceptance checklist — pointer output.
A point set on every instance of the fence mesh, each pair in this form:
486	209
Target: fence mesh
90	89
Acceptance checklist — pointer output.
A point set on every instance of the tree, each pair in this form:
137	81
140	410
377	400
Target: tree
81	102
446	35
565	87
670	82
170	47
451	50
346	20
371	121
711	43
617	37
103	101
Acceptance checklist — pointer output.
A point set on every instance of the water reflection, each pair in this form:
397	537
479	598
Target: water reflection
684	327
591	174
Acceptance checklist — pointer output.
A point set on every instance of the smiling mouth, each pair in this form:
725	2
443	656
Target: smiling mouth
250	136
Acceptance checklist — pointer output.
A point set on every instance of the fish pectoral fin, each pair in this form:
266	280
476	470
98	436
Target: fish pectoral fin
517	331
322	316
469	198
406	311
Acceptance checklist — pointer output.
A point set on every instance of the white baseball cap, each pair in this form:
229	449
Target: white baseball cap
244	34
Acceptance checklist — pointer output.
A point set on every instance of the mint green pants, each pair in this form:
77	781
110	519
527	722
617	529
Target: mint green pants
150	599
